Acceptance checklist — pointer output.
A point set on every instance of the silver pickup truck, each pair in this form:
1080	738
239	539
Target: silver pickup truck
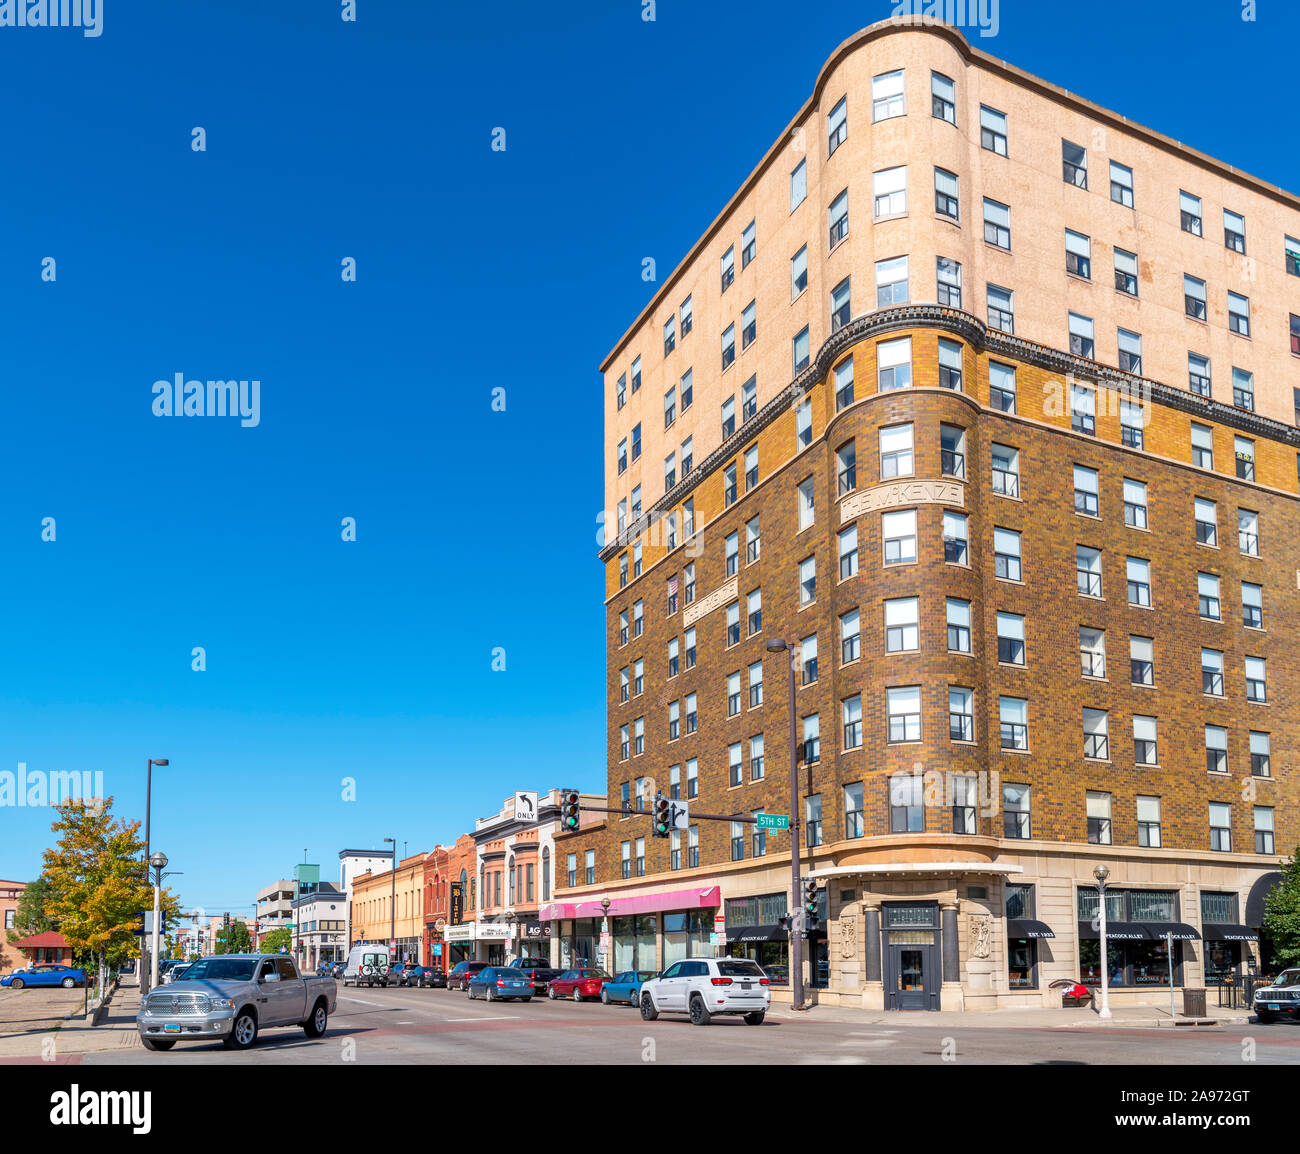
232	997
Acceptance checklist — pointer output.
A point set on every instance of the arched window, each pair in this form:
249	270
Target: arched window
546	873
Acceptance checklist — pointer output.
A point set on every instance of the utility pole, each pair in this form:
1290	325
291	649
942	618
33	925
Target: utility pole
796	937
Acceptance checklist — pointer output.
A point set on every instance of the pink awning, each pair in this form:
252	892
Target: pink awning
703	899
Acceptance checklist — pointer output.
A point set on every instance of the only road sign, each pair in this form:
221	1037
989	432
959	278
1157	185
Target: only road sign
773	820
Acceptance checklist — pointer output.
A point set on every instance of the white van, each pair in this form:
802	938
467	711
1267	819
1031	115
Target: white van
367	965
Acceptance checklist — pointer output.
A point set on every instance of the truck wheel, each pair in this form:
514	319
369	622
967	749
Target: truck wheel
314	1027
755	1019
648	1011
1265	1018
700	1015
158	1044
243	1033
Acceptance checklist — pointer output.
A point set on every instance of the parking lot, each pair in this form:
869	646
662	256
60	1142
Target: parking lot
36	1011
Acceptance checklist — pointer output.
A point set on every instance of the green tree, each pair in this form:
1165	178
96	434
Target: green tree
1282	913
237	939
97	885
30	917
272	942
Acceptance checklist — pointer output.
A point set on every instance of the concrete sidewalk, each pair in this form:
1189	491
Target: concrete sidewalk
78	1034
1124	1017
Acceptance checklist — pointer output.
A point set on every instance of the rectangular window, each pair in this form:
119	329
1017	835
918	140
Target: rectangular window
1207	521
1086	491
1096	734
1148	819
1015	811
1264	829
956	544
1083	409
889	193
1078	254
950	365
906	803
1198	374
993	130
729	488
692	712
846	468
1216	749
1220	827
807	581
892	283
961	714
808	660
1256	679
1006	554
1013	717
1145	750
1291	254
798	185
948	290
748	325
1260	754
1243	389
1001	312
898	532
812	808
688	390
850	637
1234	231
1189	213
1252	605
733	698
841	306
733	623
728	268
753	540
943	98
1081	336
843	375
1202	446
812	747
687	318
748	245
636	374
674	657
1074	164
1244	453
957	614
1130	352
902	625
1126	271
801	350
887	96
1087	568
896	458
946	196
1092	651
903	706
693	783
848	540
1002	387
1239	314
853	810
1098	805
1207	589
728	347
1141	660
1135	504
807	509
1194	297
837	125
798	272
997	223
852	717
751	466
1139	582
894	364
838	218
735	765
670	335
1121	184
755	685
1212	672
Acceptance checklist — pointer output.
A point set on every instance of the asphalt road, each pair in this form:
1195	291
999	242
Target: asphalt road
37	1009
444	1027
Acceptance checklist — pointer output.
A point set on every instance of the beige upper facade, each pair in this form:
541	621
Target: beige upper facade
1028	180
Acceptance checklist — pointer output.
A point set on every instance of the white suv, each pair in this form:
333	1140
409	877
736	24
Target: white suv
703	987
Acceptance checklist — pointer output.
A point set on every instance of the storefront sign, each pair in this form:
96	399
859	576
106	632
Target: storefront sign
901	493
493	933
463	933
457	903
536	931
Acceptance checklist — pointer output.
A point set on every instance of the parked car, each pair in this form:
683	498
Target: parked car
577	984
626	987
1281	999
540	971
432	978
461	973
325	970
46	974
367	965
396	975
175	973
500	982
231	998
336	970
706	987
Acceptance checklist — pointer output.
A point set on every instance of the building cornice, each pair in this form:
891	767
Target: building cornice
971	55
985	340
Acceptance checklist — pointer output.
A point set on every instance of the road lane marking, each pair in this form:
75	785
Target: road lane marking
506	1018
363	1002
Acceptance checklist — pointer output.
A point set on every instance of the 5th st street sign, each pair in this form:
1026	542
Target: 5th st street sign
773	820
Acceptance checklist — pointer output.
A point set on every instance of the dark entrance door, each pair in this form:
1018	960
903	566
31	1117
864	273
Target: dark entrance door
912	962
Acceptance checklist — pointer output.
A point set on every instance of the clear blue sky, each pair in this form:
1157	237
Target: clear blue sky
476	269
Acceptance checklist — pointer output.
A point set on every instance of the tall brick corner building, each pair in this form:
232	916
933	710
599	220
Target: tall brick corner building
984	399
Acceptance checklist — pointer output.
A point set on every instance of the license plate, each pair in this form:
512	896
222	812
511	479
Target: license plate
1274	1006
746	985
171	1028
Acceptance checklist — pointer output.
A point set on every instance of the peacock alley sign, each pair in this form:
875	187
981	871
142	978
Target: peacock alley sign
723	596
901	493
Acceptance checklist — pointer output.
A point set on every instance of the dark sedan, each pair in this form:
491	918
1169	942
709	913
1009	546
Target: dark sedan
501	983
431	978
461	973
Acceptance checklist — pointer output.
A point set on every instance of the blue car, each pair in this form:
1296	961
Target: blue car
45	975
500	982
626	987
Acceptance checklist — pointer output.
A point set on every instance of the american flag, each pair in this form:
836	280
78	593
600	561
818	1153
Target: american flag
672	586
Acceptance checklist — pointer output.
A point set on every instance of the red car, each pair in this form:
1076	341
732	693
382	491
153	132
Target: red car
577	984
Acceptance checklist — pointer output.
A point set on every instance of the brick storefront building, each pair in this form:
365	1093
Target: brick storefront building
998	431
444	906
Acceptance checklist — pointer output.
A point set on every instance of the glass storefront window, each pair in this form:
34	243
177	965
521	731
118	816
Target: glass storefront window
1022	963
634	943
1222	960
774	957
1132	963
1218	908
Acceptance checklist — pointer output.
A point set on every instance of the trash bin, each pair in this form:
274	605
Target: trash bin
1193	1003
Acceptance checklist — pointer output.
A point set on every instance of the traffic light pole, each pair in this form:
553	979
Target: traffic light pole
796	939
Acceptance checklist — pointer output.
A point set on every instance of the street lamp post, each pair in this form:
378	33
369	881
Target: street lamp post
1101	873
796	939
392	902
159	863
148	800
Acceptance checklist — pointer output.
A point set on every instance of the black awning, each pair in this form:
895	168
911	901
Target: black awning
1028	928
1115	931
1227	932
1181	930
756	934
1258	893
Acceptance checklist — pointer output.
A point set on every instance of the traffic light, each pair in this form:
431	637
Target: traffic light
810	903
225	921
662	821
569	809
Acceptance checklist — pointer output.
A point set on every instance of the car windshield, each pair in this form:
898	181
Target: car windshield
739	968
221	970
1288	978
645	975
